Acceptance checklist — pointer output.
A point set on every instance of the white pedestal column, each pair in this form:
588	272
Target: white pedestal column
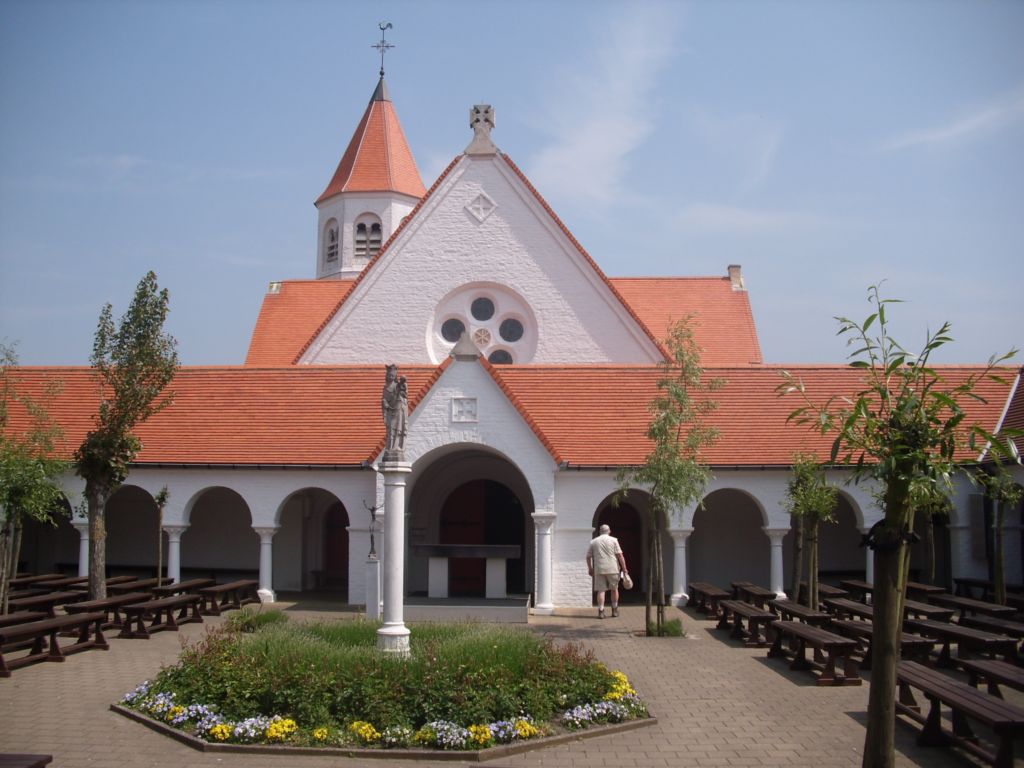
83	547
776	535
174	551
266	590
543	523
869	562
393	637
679	536
372	588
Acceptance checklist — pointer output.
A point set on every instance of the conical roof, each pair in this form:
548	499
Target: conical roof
378	158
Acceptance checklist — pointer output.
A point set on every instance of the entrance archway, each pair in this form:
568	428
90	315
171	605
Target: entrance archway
469	495
728	543
629	524
49	547
311	544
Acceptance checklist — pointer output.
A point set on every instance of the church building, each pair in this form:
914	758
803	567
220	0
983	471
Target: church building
528	371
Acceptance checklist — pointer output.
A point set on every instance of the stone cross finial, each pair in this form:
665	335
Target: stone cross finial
481	120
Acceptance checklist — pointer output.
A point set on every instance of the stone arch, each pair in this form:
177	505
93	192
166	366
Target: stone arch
495	502
219	539
728	542
48	548
133	532
311	547
840	555
630	524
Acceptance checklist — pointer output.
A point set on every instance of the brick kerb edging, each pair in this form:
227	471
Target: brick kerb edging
478	756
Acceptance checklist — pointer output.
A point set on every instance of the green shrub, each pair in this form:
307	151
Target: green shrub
671	628
249	620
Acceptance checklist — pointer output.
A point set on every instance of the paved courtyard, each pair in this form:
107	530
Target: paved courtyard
717	704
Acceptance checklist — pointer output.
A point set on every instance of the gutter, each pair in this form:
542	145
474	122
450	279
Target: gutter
232	466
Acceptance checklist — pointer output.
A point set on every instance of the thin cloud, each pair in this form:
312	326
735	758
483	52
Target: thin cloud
1003	112
746	144
606	109
712	218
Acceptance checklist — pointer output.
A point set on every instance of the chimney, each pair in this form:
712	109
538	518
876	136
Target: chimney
736	277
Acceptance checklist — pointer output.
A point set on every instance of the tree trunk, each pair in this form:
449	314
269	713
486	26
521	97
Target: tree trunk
998	569
659	571
796	522
879	742
650	576
19	528
159	543
929	550
812	566
6	568
96	499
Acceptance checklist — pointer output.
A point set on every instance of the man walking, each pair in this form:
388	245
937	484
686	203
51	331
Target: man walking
604	563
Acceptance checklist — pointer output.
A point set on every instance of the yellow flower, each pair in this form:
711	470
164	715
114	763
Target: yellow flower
365	731
321	734
525	729
173	712
481	734
221	732
620	687
279	730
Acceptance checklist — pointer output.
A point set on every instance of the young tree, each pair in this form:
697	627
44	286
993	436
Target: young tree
903	430
673	472
161	499
811	500
134	362
935	505
1004	494
28	469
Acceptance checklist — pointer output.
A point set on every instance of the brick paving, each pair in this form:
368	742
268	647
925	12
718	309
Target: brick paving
717	704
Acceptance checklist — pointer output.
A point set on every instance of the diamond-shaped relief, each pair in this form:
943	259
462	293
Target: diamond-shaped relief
481	207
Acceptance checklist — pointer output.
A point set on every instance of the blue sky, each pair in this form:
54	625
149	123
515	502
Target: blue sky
823	146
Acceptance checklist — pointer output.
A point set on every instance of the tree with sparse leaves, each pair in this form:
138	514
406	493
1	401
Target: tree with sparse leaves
1004	493
673	473
935	505
134	361
902	430
28	469
811	500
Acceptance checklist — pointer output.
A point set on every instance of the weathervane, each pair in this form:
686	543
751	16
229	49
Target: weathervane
383	45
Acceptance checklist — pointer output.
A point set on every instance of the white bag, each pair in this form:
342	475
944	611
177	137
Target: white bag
627	581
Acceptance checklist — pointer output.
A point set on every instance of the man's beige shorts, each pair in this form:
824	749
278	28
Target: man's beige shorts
605	581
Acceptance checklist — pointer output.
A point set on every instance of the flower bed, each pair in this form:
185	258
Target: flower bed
465	687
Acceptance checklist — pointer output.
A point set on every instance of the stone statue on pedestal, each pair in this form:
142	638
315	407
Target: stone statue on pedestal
395	408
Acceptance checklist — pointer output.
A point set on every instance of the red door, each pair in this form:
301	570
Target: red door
624	521
462	522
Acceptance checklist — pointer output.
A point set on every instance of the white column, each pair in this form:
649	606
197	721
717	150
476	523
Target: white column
174	551
372	588
393	637
776	535
266	590
543	522
679	536
869	562
83	547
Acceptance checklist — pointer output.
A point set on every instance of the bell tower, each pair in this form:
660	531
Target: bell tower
376	185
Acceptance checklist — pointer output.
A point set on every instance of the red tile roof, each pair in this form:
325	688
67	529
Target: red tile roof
597	415
330	415
378	158
1014	418
724	323
291	317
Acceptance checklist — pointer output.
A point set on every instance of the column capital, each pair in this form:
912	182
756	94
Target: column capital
82	526
394	468
266	533
175	530
544	521
776	534
680	534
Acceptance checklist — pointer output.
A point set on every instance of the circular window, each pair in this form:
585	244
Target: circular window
500	357
452	330
481	337
482	309
511	330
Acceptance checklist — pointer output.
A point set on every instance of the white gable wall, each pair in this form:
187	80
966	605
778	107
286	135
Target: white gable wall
392	312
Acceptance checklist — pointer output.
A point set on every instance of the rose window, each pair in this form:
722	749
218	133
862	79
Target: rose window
495	319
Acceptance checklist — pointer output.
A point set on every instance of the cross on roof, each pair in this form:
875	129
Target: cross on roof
383	45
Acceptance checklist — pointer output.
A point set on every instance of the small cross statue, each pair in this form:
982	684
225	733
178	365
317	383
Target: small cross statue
383	45
481	120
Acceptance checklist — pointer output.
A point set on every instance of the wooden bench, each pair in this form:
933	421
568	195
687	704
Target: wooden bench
918	610
189	585
790	611
757	619
47	602
24	581
829	649
824	590
234	594
139	585
911	646
705	597
918	588
1005	719
843	607
90	635
12	760
858	587
994	673
995	625
752	593
110	606
162	612
967	640
968	605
